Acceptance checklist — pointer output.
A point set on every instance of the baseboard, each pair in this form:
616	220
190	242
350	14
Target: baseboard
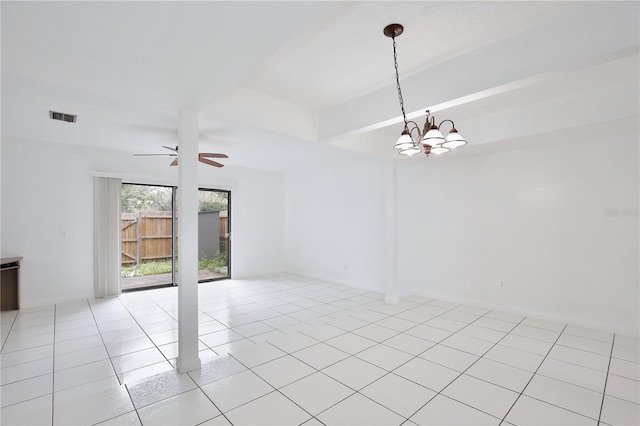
518	310
42	303
336	281
251	275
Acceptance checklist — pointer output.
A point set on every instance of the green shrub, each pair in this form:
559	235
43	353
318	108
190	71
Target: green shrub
151	268
164	267
218	261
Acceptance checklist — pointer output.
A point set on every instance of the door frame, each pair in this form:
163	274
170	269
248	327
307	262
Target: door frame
173	237
228	192
174	218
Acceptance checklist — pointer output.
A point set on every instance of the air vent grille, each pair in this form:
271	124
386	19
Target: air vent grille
61	116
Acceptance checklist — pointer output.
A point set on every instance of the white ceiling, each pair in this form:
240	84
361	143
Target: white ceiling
297	81
344	54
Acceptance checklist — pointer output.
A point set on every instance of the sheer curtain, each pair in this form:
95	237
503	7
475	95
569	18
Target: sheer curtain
107	236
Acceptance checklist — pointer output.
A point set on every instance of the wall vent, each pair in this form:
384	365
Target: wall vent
69	118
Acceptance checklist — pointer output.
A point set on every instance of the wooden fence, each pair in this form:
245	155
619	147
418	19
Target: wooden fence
146	236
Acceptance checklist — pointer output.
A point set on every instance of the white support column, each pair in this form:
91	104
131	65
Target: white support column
391	234
188	243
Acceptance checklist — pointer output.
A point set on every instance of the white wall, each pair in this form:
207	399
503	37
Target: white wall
533	219
47	217
335	218
258	224
47	191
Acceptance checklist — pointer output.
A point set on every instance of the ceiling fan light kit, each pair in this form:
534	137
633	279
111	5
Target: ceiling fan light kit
413	139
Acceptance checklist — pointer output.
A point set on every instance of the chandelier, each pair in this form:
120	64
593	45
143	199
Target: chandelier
430	139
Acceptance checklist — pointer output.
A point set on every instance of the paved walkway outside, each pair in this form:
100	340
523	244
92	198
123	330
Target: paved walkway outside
163	279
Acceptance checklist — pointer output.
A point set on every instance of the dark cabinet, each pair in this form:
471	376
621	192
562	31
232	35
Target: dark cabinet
10	283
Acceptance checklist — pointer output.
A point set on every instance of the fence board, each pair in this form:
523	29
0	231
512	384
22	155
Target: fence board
148	235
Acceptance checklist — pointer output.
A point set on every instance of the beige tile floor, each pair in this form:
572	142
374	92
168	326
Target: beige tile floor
285	349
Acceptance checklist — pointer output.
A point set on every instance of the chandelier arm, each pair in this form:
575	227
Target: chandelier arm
400	98
414	127
453	126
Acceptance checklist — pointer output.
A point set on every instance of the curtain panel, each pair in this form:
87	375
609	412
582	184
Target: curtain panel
107	236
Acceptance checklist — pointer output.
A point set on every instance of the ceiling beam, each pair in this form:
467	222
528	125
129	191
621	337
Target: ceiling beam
529	57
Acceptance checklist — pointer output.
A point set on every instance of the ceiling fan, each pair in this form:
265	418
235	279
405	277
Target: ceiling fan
203	157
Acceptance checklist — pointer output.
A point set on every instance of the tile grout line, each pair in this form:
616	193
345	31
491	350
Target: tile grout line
461	373
426	350
467	324
39	375
222	413
251	369
357	328
213	319
149	337
559	406
364	306
441	340
497	343
574	363
174	368
606	378
4	342
145	331
95	321
301	378
387	371
319	370
532	376
164	310
132	403
295	403
580	349
104	344
550	357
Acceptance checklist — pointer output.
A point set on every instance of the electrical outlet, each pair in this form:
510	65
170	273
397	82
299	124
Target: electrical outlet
502	284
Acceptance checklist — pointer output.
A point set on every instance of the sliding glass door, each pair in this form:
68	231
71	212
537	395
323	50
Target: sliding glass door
213	234
149	236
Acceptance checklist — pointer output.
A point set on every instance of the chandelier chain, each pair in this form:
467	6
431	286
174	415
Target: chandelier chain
395	63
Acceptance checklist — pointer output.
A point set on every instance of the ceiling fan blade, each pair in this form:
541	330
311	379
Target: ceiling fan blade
212	155
203	157
209	162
